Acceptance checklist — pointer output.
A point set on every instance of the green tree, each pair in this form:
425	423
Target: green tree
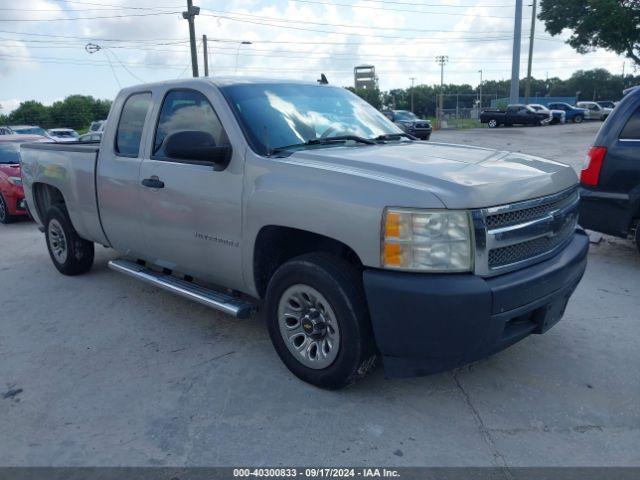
31	113
371	95
75	111
609	24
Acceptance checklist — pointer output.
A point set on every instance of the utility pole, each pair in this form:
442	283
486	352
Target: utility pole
205	54
441	60
412	83
527	90
480	88
515	61
189	16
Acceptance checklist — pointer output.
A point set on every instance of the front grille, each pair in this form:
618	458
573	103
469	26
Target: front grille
513	236
499	257
421	125
523	215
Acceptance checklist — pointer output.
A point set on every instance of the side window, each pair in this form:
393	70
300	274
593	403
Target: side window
631	130
131	124
186	110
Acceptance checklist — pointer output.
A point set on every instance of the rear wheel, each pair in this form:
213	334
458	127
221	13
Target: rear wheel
492	123
70	254
637	236
318	320
5	217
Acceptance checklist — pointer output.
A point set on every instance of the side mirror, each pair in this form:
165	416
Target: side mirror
197	147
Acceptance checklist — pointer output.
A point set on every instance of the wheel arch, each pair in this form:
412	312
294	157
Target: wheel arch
44	197
276	244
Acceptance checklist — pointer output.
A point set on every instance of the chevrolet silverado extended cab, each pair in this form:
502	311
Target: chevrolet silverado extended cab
360	241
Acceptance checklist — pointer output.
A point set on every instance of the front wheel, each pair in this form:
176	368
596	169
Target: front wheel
578	119
70	254
492	123
318	320
5	217
637	236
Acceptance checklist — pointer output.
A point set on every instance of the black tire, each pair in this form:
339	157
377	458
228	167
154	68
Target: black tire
493	123
637	236
578	119
4	212
341	285
79	252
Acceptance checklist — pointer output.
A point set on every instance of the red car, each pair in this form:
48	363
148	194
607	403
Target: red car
12	203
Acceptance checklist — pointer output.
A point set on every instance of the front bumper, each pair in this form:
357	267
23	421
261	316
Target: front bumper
15	200
428	323
422	133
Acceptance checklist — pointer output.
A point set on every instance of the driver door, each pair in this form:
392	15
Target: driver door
191	214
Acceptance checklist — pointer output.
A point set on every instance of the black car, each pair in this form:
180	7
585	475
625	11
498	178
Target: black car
610	193
515	114
410	123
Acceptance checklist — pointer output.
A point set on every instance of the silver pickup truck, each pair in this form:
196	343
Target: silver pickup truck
360	241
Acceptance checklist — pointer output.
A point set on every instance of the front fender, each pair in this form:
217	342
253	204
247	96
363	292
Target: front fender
344	206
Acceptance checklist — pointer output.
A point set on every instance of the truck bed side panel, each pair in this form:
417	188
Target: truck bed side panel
70	169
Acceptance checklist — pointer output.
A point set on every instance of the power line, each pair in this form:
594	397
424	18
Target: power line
85	18
287	20
370	7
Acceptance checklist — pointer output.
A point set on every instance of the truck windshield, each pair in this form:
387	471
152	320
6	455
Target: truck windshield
405	115
278	115
9	153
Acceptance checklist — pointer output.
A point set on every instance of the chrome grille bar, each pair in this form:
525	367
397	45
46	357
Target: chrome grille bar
509	237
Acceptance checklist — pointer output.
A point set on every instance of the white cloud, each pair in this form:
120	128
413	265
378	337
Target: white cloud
9	105
474	38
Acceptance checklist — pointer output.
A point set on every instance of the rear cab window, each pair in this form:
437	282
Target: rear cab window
631	130
131	124
186	110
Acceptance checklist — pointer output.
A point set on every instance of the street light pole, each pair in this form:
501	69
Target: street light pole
189	16
412	83
245	42
514	94
527	90
480	88
205	54
441	60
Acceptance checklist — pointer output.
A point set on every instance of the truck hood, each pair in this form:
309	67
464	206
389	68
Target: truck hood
460	176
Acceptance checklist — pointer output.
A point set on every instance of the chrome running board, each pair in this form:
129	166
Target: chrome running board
211	298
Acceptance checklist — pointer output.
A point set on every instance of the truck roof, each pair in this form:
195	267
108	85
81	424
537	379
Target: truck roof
226	81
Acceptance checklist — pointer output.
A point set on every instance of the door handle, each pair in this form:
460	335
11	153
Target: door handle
153	182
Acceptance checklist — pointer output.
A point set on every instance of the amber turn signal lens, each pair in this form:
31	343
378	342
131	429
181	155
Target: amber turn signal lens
392	225
393	254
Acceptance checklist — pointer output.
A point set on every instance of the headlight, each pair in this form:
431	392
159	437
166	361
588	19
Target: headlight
15	180
424	240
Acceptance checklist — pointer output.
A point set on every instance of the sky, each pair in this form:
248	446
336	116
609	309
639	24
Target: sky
44	57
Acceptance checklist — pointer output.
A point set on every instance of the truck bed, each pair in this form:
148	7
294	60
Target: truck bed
70	168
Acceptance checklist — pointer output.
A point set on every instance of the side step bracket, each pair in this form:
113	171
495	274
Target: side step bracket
211	298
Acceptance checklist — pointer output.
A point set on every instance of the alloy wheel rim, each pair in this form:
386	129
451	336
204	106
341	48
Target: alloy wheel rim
308	326
57	241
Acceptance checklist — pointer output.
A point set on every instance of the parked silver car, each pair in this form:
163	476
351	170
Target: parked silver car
63	134
557	116
594	110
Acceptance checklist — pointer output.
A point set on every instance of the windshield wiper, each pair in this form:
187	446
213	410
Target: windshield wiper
324	141
394	136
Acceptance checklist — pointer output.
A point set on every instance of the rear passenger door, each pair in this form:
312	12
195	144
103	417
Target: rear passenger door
192	224
117	175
